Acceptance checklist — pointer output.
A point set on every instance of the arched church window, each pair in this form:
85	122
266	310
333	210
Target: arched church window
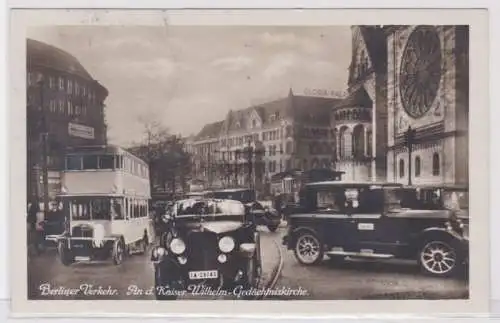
358	142
401	168
436	166
345	142
348	117
417	166
369	138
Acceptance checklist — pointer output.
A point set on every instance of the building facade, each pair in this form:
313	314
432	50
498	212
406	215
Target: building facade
65	102
251	145
428	86
359	121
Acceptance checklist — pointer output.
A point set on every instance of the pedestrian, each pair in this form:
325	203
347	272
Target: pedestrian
33	210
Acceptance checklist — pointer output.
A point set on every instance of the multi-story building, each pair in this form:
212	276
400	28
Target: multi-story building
289	133
428	91
64	101
359	121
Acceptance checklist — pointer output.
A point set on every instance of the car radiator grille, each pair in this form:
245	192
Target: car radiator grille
82	232
202	251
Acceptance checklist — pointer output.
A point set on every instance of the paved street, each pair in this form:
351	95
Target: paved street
135	271
350	280
365	280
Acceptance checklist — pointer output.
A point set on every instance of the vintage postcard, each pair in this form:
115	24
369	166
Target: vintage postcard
186	162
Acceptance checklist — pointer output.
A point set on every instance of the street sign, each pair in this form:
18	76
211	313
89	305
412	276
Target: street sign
81	131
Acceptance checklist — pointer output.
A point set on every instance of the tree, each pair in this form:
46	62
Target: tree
169	163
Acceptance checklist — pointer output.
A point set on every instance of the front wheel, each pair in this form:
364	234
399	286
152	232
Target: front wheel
308	249
163	289
118	252
439	258
65	254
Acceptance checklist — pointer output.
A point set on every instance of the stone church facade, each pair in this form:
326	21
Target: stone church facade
428	86
360	120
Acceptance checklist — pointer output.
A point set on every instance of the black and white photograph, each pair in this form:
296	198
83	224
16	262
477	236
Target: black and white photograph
247	162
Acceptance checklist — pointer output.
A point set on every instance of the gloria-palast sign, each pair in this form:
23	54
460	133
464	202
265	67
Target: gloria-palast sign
324	93
78	130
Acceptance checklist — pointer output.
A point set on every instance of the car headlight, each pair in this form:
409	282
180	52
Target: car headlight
177	246
158	252
226	244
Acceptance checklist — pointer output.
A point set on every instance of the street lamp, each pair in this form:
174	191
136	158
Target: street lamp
409	141
44	143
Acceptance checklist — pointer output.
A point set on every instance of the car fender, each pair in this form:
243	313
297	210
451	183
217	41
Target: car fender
437	230
248	249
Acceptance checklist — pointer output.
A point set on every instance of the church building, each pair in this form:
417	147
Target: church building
428	92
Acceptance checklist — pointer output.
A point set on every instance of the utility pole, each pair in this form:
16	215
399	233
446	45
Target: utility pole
45	149
409	141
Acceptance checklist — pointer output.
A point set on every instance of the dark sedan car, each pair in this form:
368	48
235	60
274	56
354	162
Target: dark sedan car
366	220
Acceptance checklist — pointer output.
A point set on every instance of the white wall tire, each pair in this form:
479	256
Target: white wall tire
308	249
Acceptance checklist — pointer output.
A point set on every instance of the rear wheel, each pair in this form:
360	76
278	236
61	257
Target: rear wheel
143	244
439	257
308	249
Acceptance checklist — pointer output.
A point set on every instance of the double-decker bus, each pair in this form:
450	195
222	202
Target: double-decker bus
105	195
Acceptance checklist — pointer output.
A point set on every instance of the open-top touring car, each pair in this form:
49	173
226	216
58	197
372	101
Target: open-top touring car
209	242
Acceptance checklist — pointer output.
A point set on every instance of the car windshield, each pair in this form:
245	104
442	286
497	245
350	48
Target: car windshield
455	200
244	196
209	208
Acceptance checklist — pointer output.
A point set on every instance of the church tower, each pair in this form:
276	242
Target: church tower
428	84
360	120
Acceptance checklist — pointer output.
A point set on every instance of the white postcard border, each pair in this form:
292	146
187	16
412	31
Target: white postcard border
478	160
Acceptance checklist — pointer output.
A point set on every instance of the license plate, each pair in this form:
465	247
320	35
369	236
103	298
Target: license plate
204	274
78	258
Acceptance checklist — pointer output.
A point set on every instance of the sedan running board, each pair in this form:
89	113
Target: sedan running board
359	254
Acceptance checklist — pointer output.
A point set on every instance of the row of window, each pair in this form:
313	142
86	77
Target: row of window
105	208
436	166
67	108
107	162
72	87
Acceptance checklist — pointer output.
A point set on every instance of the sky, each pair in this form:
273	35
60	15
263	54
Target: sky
187	76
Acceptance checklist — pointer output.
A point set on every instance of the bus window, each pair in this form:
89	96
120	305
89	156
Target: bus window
79	209
100	209
106	162
73	162
90	162
116	209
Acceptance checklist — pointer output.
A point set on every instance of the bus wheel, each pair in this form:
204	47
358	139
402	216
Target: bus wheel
65	254
143	244
118	252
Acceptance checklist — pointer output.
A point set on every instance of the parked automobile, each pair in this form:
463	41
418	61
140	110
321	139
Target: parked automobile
264	215
366	220
209	242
